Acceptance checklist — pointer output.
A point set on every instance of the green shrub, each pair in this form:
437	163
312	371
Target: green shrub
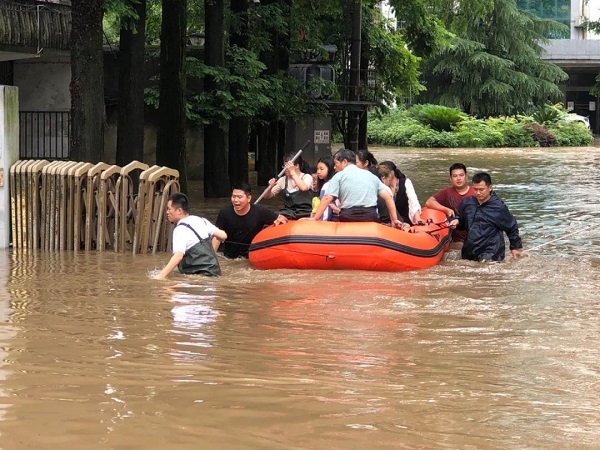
426	137
477	133
394	130
547	114
513	131
440	118
402	127
572	134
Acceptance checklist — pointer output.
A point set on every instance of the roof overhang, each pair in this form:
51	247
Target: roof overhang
572	53
12	53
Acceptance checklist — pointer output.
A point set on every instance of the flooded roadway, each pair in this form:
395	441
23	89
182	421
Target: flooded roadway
94	354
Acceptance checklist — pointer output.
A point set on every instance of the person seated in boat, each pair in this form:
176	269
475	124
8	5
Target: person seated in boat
295	186
193	252
449	199
485	218
325	172
242	221
403	192
366	160
357	191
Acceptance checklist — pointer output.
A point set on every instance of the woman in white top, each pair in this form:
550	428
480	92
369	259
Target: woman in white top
295	186
405	197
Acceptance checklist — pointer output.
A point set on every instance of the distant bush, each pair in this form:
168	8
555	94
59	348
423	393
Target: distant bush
426	126
541	134
440	118
548	114
574	134
513	131
426	137
478	133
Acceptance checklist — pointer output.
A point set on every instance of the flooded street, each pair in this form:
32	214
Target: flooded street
95	354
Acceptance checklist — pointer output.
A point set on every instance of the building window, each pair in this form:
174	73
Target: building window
557	10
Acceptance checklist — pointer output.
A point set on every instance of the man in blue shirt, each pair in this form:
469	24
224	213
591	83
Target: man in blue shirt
357	190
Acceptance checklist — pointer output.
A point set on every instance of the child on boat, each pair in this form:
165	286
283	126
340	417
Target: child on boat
324	174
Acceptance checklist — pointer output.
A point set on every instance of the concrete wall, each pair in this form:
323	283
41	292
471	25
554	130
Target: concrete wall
9	154
194	143
43	83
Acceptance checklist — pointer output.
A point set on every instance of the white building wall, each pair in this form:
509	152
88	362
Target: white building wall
9	154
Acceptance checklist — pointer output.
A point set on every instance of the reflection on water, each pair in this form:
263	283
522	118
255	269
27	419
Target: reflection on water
464	355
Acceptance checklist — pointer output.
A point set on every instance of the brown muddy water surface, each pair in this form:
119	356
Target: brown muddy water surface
95	354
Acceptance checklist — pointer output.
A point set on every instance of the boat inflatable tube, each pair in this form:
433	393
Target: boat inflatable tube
307	244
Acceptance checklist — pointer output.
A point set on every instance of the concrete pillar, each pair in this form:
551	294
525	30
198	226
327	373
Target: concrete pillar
9	154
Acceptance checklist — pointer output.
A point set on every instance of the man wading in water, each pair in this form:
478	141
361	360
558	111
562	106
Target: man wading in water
486	218
193	252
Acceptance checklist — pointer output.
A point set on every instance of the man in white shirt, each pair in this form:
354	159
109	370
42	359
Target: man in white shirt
193	252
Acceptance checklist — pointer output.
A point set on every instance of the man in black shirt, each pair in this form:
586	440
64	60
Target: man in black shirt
242	221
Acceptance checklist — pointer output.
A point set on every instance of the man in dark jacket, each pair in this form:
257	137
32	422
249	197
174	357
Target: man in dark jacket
486	218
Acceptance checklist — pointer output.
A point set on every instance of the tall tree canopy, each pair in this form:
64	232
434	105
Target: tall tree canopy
493	65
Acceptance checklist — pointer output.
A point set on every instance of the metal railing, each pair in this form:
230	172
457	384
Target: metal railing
44	135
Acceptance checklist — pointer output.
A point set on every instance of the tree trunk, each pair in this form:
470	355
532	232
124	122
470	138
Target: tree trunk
170	140
216	173
87	81
238	126
355	56
266	162
272	136
130	128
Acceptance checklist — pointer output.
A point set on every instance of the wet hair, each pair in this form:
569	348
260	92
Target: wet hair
365	156
384	171
303	165
458	166
242	186
390	165
343	154
328	161
180	200
482	176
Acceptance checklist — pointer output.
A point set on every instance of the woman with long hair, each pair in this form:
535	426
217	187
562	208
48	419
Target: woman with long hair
403	191
295	186
366	160
325	172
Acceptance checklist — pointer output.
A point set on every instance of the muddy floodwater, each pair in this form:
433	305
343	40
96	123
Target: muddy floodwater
96	355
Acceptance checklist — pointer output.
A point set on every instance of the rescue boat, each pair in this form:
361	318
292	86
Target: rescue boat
306	244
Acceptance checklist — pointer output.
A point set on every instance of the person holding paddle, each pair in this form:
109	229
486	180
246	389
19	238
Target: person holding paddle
296	187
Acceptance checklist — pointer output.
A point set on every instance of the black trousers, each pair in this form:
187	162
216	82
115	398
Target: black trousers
359	214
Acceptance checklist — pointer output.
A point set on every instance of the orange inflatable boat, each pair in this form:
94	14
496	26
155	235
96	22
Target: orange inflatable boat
306	244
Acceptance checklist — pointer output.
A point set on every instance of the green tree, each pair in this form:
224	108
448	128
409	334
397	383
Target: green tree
493	65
